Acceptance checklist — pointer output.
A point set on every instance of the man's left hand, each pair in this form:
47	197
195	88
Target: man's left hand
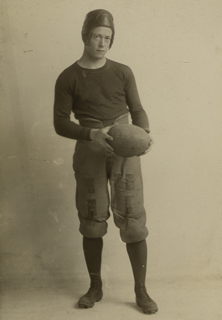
149	147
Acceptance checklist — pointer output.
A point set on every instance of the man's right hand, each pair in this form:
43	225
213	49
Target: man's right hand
100	136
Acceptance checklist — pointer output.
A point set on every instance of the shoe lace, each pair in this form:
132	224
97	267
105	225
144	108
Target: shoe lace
92	291
142	294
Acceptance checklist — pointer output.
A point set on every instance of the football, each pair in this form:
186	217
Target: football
128	140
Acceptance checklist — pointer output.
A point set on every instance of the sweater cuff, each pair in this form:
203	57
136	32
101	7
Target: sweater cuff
87	134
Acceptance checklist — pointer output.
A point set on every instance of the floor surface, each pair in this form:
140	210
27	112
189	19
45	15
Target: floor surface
176	299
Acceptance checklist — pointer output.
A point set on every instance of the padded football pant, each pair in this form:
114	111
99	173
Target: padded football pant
105	179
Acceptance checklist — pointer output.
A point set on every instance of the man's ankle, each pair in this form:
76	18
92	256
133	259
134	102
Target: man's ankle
96	283
140	287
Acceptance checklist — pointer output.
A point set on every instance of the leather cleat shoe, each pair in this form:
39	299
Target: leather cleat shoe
93	295
144	301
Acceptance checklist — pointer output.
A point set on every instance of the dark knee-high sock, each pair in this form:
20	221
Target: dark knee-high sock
93	256
138	257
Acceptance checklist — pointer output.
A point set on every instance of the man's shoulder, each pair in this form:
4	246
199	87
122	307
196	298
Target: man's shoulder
68	73
119	66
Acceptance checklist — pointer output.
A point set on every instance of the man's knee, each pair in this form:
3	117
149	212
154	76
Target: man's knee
132	235
92	228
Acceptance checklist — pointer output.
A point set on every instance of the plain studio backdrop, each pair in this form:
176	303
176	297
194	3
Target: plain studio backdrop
174	48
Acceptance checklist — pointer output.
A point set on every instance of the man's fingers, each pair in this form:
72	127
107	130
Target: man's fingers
151	141
146	151
108	137
106	130
109	149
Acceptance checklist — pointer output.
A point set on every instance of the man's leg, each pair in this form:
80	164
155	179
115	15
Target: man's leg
92	203
138	257
93	256
130	217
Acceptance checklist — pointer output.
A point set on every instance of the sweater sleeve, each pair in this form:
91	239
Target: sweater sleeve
63	102
138	114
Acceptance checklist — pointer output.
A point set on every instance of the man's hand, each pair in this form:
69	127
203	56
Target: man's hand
149	147
100	136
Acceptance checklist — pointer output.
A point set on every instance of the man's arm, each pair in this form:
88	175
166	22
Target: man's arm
138	114
63	103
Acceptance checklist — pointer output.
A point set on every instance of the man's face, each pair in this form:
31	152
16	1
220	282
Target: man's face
99	42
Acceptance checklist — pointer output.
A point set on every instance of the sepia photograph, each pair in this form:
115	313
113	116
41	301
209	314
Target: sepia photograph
111	159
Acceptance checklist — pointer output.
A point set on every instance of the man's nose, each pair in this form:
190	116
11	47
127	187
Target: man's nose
102	42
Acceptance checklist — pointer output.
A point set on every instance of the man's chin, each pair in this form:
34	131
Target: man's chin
100	56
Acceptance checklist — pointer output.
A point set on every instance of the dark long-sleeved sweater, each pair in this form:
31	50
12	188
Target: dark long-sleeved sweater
104	94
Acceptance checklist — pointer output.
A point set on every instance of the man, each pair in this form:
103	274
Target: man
102	93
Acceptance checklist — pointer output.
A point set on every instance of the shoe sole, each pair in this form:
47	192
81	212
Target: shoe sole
151	310
87	306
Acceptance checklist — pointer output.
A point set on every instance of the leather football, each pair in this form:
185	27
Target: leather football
128	140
